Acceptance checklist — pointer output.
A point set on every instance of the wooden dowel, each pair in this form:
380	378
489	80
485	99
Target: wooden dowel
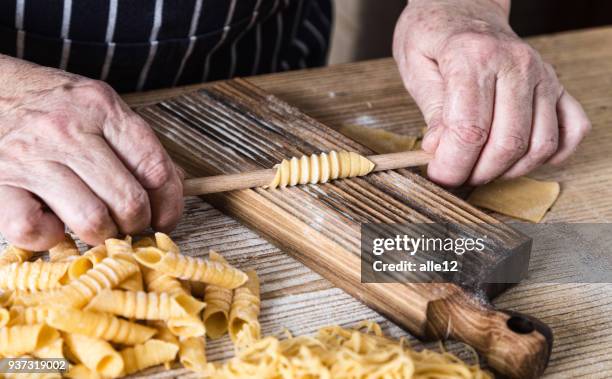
260	178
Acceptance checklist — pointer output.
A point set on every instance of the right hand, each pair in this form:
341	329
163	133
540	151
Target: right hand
73	153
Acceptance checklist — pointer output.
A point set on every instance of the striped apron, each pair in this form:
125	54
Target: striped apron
139	45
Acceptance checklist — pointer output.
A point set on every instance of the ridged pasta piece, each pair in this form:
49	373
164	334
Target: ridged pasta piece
146	241
107	274
197	289
192	354
156	281
23	339
80	371
63	250
5	317
188	326
151	353
54	349
86	262
218	304
122	249
32	276
21	315
165	243
13	254
190	268
244	326
96	354
145	305
320	168
99	325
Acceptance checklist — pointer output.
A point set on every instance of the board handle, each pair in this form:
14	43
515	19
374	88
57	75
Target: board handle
515	345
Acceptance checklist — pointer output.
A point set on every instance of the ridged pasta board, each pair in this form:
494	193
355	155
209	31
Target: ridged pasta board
234	127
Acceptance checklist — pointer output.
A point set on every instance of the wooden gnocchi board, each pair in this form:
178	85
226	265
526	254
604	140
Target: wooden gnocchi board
235	127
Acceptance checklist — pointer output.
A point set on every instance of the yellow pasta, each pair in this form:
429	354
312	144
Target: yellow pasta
23	339
63	250
244	326
156	281
122	249
54	349
190	268
165	243
107	274
5	317
99	325
145	305
38	275
320	168
151	353
188	326
80	371
218	304
192	354
20	315
96	354
86	262
13	254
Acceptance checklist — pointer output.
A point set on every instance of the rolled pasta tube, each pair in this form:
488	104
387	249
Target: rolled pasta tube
320	168
146	241
122	249
80	371
156	281
63	250
151	353
5	317
218	305
107	274
188	326
190	268
99	325
33	276
96	354
86	262
54	349
192	354
144	305
23	339
20	315
244	325
165	243
13	254
96	254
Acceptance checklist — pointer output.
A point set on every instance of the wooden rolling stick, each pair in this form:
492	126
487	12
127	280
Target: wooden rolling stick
261	178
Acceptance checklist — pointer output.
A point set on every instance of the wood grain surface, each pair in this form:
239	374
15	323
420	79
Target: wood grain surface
370	93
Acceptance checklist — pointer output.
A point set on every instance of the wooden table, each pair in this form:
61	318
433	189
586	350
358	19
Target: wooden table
371	93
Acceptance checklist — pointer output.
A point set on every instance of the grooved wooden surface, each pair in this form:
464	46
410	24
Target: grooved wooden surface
370	93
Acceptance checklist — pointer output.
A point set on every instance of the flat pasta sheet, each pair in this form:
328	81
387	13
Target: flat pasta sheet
522	198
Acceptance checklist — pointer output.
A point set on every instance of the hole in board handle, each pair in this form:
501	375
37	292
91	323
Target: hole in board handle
520	325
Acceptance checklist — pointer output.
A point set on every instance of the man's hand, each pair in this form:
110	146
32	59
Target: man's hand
492	106
71	152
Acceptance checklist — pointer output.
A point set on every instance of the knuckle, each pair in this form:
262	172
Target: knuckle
155	170
544	150
97	93
95	221
470	134
134	206
585	127
511	147
27	227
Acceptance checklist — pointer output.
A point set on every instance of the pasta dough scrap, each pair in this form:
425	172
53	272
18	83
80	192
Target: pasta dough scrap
99	325
145	305
378	140
96	354
190	268
107	274
218	304
192	354
523	198
23	339
151	353
13	254
320	168
63	250
122	249
33	276
244	326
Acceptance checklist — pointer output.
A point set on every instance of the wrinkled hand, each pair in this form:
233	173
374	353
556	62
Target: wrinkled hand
492	106
72	152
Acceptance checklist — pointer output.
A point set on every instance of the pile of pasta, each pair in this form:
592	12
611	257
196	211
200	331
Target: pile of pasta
122	307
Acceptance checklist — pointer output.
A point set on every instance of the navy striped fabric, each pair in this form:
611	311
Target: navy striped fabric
146	44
